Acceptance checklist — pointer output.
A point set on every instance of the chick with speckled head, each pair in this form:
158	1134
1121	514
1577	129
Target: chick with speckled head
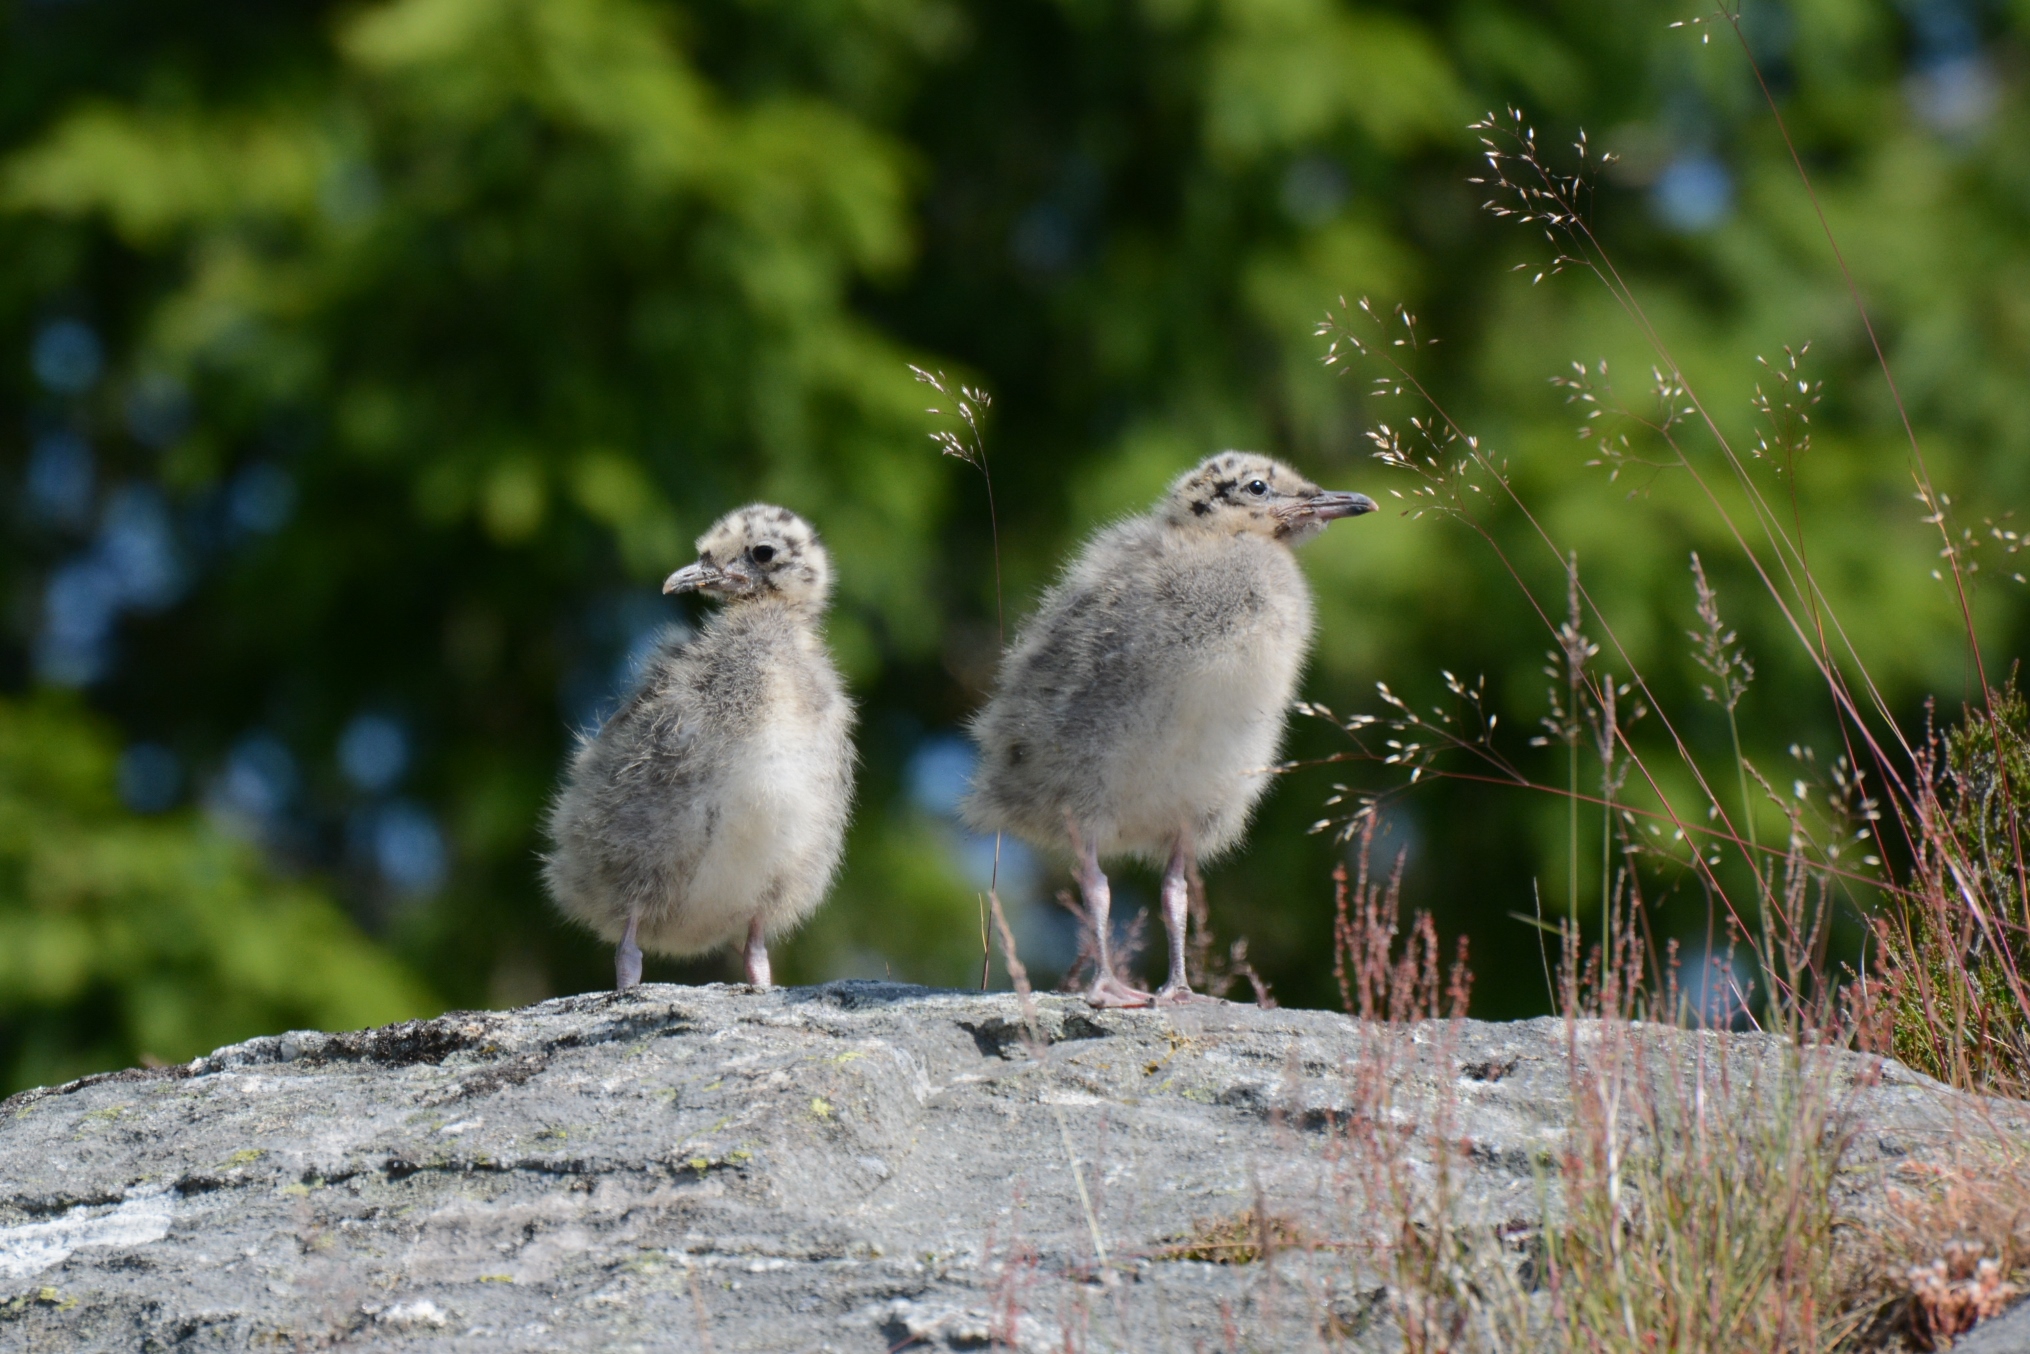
1139	710
711	808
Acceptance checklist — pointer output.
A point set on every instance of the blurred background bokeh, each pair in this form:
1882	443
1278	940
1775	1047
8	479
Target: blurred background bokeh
364	367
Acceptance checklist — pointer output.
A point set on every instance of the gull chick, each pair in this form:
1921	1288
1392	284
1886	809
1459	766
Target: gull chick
1138	711
711	808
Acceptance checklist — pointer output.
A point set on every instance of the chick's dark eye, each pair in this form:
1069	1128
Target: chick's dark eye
1258	487
763	553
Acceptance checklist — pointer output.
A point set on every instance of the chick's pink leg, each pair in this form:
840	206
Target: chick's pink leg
627	957
1176	913
756	955
1107	989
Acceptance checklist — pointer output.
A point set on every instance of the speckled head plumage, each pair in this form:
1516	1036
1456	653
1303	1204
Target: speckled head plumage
1246	493
759	553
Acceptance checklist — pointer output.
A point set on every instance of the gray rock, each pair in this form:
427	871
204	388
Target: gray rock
852	1167
2008	1333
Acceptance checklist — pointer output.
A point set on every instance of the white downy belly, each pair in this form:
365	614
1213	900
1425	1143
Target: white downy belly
770	821
1215	750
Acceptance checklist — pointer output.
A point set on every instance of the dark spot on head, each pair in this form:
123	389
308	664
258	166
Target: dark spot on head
1200	507
1016	752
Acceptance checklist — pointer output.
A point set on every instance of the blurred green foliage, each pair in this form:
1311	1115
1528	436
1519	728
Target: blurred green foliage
437	328
159	939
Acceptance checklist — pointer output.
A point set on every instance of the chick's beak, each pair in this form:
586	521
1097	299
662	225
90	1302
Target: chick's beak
692	578
702	577
1310	514
1331	506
